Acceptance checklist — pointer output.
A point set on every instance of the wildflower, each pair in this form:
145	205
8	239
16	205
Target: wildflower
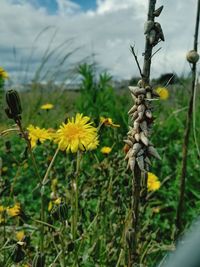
153	183
14	211
106	150
163	93
3	73
20	235
77	133
108	122
37	134
47	106
2	208
2	216
156	209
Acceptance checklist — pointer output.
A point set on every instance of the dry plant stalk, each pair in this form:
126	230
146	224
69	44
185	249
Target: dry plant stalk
140	149
192	57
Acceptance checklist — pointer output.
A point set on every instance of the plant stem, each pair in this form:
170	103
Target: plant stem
180	207
138	175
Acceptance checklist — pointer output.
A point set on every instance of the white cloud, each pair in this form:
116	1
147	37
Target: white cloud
66	7
108	32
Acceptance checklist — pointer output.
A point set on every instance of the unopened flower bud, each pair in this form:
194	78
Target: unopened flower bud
14	109
39	260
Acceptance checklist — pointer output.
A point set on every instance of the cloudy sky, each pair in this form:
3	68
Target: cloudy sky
36	31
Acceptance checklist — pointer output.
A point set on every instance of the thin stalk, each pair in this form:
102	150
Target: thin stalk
75	212
138	175
180	207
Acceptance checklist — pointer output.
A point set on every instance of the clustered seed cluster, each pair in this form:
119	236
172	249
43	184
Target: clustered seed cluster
140	148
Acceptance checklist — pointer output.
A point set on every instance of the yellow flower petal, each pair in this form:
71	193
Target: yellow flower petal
37	134
14	211
108	122
20	235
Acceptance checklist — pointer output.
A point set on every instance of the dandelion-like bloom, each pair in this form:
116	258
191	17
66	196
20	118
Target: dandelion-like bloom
108	122
153	183
47	106
20	235
3	74
163	93
14	211
106	150
77	134
37	134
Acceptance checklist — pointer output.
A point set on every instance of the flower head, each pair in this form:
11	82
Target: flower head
77	134
47	106
163	93
3	74
108	122
153	183
20	235
106	150
37	134
14	211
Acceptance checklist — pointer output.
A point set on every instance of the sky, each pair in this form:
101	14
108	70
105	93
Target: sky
46	39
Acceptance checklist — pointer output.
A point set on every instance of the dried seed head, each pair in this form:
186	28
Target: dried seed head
14	109
144	139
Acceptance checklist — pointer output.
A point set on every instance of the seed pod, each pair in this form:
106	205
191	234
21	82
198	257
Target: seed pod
144	139
148	25
148	114
132	110
147	160
131	138
14	104
128	142
135	115
17	254
141	108
192	56
136	125
137	137
158	11
131	163
144	128
140	162
152	37
153	152
140	153
141	83
159	30
148	95
140	116
136	148
39	260
137	90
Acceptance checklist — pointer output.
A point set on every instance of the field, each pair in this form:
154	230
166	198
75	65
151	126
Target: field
80	213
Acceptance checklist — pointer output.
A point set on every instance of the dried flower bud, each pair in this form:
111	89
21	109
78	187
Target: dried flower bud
59	212
17	254
39	260
14	109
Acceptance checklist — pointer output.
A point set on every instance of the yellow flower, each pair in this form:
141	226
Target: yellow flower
14	211
108	122
37	134
2	208
57	201
163	93
156	209
20	235
153	183
77	134
3	73
106	150
47	106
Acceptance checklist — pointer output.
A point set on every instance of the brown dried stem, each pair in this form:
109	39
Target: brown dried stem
180	208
